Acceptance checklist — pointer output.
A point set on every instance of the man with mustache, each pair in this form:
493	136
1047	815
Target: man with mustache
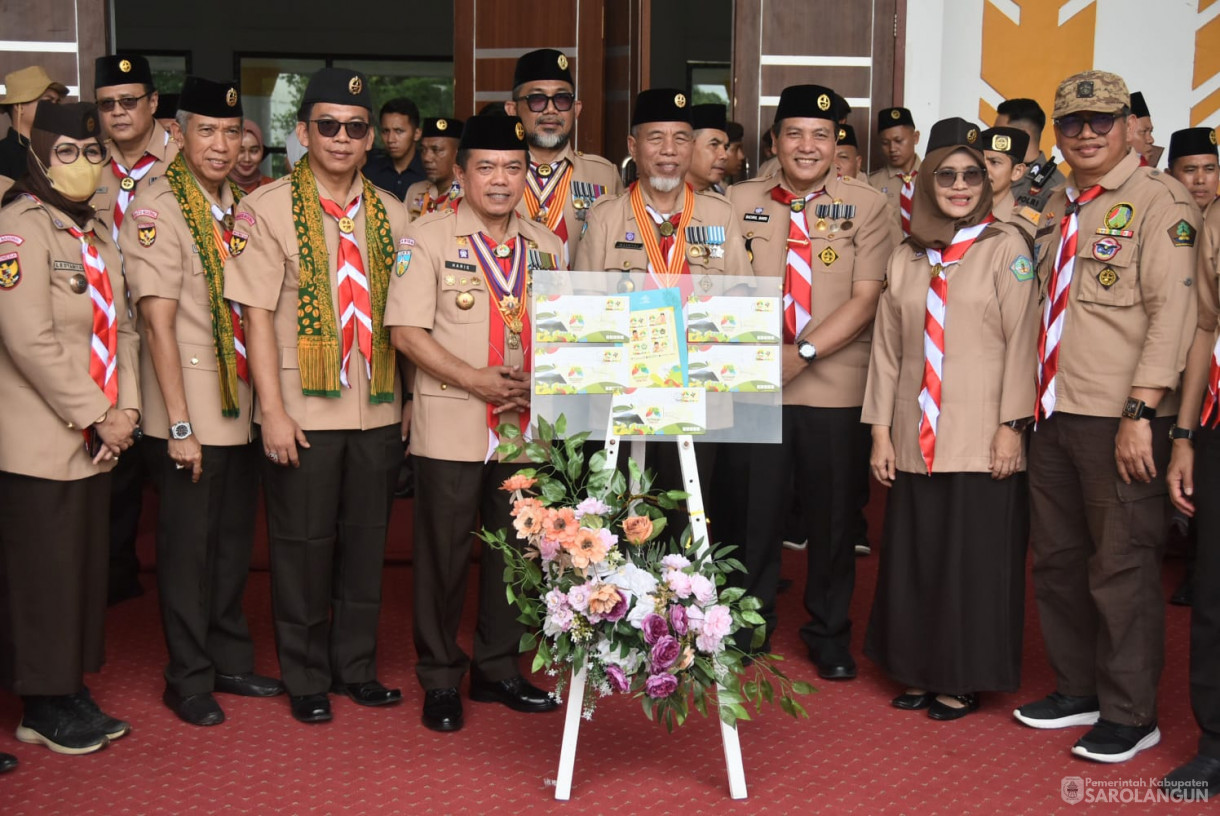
438	149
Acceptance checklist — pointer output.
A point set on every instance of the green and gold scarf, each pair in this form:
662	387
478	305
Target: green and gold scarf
319	350
198	214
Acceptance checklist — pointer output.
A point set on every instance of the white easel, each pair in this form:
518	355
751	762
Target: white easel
576	686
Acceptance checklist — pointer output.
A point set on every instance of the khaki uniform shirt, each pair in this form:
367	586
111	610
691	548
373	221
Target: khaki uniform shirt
448	422
161	146
768	168
5	184
266	275
1208	270
857	249
1005	208
991	331
1135	331
163	261
421	195
1024	195
46	330
889	181
586	169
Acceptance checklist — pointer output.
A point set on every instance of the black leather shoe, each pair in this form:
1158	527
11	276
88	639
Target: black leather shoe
7	763
1200	774
913	702
515	692
311	708
940	711
248	685
196	709
370	693
442	709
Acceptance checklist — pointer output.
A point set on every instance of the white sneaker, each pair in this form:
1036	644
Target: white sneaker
795	545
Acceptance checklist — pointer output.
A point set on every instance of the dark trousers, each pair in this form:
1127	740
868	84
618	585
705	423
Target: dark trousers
126	503
327	525
827	450
1097	545
451	500
205	533
52	581
1205	611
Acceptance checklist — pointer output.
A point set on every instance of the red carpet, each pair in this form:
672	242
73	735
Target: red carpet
855	754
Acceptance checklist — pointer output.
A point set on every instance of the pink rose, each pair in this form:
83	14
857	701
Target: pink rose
677	619
679	582
660	686
665	653
618	680
703	588
717	620
654	626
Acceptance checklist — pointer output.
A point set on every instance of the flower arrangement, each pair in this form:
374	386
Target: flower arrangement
598	585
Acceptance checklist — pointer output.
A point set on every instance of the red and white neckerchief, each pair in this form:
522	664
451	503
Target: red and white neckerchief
355	305
934	334
798	275
905	196
1054	312
123	199
546	195
507	277
1212	398
104	344
222	234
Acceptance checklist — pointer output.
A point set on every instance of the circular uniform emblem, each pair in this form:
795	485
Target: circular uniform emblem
346	225
231	98
520	132
128	183
823	102
502	251
680	100
1107	277
78	283
228	222
355	85
797	204
125	66
1106	248
895	114
696	251
563	62
667	229
972	135
465	301
1001	143
91	124
1212	136
544	170
442	124
842	134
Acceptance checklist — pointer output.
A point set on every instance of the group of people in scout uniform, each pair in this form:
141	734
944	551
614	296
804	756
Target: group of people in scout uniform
1049	320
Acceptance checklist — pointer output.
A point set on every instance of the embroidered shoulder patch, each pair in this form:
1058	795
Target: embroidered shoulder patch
401	262
10	270
12	239
1022	268
147	234
1182	234
145	213
248	217
237	243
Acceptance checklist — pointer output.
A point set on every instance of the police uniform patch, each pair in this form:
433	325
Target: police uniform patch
402	262
1182	234
237	243
1119	216
147	234
1106	248
10	270
1022	268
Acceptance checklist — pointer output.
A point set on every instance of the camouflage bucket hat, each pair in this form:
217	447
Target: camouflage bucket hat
1096	91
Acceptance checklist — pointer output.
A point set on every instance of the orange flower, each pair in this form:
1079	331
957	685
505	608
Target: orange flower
604	599
528	516
518	482
560	525
637	529
586	548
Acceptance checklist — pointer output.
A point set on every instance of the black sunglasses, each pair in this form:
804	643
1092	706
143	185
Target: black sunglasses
128	103
537	102
1073	124
330	128
946	178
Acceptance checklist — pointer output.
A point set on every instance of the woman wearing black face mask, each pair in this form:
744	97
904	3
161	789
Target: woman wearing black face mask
68	381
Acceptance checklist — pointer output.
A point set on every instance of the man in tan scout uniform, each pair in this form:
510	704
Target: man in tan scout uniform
896	130
1117	269
140	150
710	155
197	406
458	309
828	238
312	257
563	183
1004	152
1193	161
438	151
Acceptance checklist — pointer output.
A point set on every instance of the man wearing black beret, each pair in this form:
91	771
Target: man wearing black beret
438	149
710	156
896	130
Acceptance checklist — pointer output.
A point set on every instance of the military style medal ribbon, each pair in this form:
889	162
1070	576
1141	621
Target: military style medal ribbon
1054	313
127	187
546	194
798	274
904	201
934	335
506	274
667	265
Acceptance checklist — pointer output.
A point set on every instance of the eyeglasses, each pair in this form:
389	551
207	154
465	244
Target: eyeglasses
946	178
330	128
128	103
68	153
537	102
1073	124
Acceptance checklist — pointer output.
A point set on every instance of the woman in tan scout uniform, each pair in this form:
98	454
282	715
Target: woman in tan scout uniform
68	383
950	391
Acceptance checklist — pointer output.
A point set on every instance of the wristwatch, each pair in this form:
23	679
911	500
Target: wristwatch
1020	425
180	430
806	350
1181	433
1136	409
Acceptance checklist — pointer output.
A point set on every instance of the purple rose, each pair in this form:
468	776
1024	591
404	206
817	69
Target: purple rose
659	686
677	619
654	627
620	609
665	653
618	680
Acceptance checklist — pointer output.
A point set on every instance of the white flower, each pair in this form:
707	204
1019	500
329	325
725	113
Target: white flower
679	582
709	643
555	600
636	581
645	605
703	588
676	562
578	597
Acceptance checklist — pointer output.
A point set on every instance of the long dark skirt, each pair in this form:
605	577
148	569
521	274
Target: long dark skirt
53	561
949	609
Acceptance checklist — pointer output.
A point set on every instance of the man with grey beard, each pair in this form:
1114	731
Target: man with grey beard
562	183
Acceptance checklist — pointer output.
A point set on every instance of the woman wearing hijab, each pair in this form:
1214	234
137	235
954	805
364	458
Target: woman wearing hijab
248	172
68	381
950	393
